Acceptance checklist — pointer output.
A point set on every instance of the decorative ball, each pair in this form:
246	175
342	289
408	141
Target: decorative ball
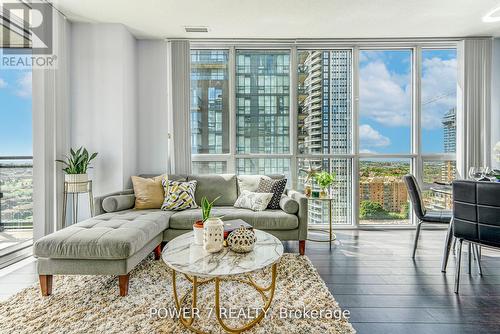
241	240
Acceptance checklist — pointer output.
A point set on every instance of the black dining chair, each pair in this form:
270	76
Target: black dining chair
424	216
476	218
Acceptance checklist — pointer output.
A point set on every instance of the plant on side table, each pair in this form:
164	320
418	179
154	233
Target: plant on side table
76	165
206	208
324	180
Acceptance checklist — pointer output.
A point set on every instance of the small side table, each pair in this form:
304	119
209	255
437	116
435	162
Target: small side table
332	236
74	195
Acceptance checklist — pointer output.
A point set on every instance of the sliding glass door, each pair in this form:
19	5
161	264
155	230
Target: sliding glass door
16	163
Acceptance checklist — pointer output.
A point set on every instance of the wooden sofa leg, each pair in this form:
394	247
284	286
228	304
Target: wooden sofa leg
157	252
45	284
302	247
123	281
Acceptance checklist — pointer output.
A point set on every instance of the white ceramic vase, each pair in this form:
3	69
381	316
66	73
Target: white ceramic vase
77	183
213	235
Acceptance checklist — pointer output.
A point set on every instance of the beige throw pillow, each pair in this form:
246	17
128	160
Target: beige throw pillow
148	192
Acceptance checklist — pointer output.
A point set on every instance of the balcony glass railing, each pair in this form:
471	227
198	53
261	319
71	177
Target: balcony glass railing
16	204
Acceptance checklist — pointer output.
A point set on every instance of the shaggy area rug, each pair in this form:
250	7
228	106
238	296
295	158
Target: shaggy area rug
91	304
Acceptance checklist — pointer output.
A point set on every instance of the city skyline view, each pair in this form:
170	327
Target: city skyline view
384	124
324	114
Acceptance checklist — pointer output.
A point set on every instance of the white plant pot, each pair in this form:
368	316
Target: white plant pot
198	235
76	183
213	235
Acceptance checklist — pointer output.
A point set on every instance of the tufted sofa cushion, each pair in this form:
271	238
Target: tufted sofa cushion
111	236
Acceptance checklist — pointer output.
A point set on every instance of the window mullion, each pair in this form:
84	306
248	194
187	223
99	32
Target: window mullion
355	134
231	168
293	116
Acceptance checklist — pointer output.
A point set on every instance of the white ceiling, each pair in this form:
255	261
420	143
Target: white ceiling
290	18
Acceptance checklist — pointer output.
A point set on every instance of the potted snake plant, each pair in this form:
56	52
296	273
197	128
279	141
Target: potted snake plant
75	167
206	208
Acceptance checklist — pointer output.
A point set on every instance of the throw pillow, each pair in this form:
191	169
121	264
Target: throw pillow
277	187
289	205
118	203
253	201
250	182
148	192
179	195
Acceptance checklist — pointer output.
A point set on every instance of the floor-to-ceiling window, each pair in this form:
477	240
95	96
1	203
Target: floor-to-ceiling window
16	165
385	136
262	111
324	127
209	108
352	111
438	123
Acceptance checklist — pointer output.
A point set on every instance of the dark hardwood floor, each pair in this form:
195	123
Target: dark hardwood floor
372	274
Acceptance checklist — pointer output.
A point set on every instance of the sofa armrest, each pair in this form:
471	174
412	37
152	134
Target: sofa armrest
302	214
98	210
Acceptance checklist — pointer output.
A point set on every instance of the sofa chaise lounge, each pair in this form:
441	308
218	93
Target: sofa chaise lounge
118	237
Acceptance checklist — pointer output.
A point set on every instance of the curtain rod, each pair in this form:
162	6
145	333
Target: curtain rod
328	40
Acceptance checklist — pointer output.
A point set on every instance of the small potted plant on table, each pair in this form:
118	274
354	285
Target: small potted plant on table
76	166
206	208
324	180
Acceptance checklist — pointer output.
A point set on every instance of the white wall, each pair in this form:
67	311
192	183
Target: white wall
495	99
104	101
152	112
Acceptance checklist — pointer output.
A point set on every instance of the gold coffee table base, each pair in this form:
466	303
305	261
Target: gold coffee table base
188	322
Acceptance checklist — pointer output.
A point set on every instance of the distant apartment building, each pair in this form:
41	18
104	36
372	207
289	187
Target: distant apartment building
325	116
448	168
450	131
388	191
449	122
209	107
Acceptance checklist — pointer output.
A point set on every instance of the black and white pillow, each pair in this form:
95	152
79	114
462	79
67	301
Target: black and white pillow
277	187
253	201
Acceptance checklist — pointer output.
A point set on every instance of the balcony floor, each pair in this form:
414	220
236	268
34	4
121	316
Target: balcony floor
11	238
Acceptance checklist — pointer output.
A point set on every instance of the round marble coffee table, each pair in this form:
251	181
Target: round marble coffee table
199	267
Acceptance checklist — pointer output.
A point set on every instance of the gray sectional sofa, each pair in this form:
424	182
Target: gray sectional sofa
118	237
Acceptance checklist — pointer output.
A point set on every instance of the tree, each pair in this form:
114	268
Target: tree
370	209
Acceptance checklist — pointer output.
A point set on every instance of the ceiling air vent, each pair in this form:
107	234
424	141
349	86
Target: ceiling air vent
196	29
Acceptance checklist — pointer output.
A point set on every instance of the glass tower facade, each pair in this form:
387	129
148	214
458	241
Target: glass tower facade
209	102
262	102
450	131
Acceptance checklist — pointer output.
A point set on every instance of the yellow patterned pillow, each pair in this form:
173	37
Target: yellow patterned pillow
179	195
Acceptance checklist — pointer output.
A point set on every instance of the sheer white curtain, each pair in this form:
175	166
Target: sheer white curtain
179	150
473	95
50	132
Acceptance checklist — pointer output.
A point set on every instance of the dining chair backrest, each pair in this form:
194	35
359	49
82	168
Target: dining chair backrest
476	211
415	195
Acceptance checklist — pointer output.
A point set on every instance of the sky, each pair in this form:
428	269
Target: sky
386	98
15	112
